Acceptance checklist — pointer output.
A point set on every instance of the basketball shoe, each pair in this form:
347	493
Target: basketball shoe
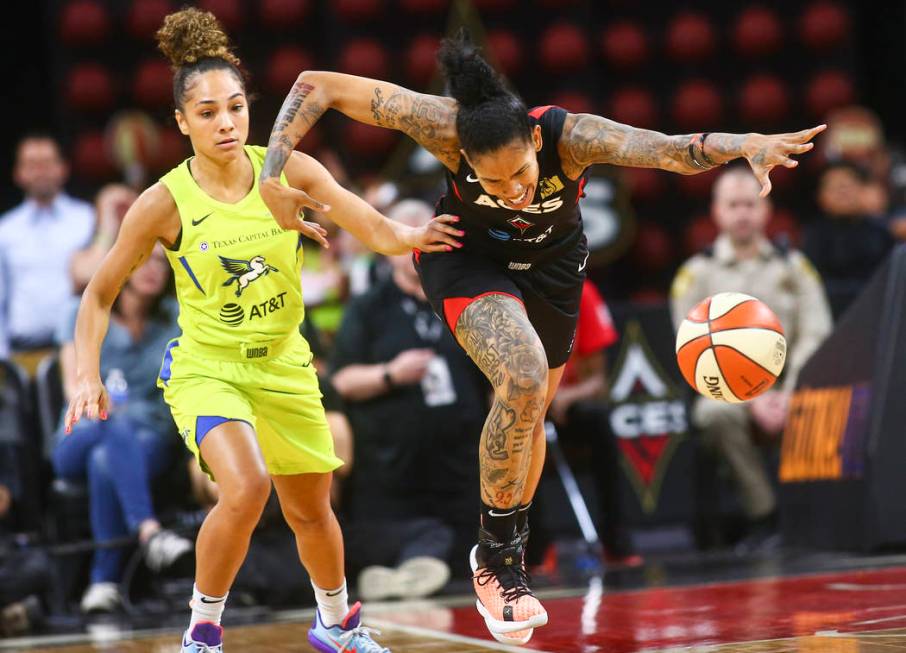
505	600
206	637
349	636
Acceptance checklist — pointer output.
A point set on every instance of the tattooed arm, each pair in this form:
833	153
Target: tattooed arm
589	139
428	119
152	217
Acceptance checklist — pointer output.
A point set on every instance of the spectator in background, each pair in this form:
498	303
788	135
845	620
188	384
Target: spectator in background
579	411
412	397
135	437
111	205
845	242
743	260
37	240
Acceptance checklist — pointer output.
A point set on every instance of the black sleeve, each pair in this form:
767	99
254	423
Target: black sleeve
351	344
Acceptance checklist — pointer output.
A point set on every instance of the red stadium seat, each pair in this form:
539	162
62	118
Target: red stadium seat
424	7
824	25
573	101
368	141
153	84
284	67
283	14
563	48
146	16
653	247
634	106
784	223
697	186
84	22
505	51
757	32
624	44
699	234
357	11
228	12
697	105
828	90
89	87
763	100
90	158
644	184
172	148
364	57
690	37
421	59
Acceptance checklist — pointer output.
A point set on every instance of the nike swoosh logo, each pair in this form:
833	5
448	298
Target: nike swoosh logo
472	179
334	594
494	513
584	263
204	600
343	647
197	222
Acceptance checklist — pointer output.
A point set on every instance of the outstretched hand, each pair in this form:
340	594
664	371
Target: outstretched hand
765	151
438	235
89	400
287	204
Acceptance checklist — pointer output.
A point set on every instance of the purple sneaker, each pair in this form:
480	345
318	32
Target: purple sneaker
206	637
349	636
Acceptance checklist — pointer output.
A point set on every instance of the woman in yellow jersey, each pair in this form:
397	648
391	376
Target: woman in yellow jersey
239	379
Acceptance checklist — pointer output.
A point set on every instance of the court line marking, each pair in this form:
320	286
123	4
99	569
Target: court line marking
448	637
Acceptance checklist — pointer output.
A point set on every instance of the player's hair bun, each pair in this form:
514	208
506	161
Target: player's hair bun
470	79
190	35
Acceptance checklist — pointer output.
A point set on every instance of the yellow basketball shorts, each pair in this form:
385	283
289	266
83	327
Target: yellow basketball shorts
279	397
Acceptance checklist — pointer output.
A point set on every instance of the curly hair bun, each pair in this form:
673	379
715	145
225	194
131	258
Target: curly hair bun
190	35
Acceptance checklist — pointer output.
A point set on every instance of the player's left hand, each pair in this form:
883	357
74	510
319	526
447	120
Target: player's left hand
438	235
765	151
287	205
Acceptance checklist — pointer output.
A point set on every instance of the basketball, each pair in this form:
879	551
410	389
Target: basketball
731	347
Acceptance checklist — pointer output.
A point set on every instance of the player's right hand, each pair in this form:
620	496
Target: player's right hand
287	208
90	399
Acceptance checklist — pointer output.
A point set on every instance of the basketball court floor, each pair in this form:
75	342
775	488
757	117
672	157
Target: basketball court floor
855	605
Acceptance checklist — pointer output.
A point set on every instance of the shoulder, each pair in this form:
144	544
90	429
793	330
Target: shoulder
801	263
689	272
154	211
9	218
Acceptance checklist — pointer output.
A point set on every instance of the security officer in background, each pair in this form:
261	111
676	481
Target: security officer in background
743	260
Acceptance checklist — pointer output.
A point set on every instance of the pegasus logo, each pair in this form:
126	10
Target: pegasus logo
244	271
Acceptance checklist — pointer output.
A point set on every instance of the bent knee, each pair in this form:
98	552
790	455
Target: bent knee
246	496
526	367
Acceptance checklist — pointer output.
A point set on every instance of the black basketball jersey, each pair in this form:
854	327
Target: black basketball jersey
546	228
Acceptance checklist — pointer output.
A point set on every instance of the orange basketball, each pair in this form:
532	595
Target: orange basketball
731	347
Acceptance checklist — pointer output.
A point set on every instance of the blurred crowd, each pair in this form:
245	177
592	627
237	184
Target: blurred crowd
405	404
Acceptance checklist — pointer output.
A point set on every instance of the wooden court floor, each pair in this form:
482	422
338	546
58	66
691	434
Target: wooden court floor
845	612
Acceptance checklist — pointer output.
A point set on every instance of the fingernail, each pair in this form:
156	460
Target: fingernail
462	233
448	248
455	218
68	430
103	414
459	244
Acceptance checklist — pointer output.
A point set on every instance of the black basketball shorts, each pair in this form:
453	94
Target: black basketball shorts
550	291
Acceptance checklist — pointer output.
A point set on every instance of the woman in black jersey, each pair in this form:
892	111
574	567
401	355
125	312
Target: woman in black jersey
511	294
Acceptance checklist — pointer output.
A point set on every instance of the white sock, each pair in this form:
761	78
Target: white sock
332	604
206	608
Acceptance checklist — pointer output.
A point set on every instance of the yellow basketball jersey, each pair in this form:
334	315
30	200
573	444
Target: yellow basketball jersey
237	272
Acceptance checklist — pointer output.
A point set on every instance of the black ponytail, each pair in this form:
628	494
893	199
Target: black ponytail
490	115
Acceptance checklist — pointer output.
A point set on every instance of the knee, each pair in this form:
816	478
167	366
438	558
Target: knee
246	496
526	367
99	462
309	516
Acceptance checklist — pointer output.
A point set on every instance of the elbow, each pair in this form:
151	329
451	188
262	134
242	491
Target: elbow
316	80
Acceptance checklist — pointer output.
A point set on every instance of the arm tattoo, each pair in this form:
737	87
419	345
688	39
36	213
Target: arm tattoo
427	119
496	333
592	139
294	120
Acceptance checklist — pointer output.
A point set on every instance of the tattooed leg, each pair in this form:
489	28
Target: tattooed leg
497	335
539	439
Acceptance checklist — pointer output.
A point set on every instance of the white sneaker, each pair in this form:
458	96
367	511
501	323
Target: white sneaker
164	549
101	597
415	578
